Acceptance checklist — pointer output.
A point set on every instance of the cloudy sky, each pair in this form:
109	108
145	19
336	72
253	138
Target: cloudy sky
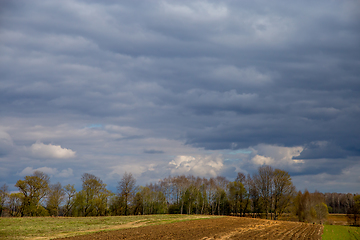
160	88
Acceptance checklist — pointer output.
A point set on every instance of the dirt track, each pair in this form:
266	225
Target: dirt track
218	228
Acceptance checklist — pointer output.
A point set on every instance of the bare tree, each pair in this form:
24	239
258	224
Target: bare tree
4	197
212	189
245	197
181	183
126	189
203	196
221	189
240	177
247	185
264	182
254	195
165	186
70	192
14	205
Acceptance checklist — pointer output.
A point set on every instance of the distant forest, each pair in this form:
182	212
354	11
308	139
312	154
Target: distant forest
268	193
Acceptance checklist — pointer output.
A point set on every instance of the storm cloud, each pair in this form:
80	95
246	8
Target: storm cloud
192	87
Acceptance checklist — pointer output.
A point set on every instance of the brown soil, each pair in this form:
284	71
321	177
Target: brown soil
216	228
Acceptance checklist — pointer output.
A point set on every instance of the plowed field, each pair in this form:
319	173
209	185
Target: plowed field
217	228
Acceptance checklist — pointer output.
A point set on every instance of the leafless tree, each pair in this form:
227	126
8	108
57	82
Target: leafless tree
70	193
264	183
4	197
126	189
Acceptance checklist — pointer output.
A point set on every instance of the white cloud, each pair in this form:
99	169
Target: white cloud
66	173
29	171
134	169
276	156
53	172
197	11
198	166
244	75
42	150
260	160
213	97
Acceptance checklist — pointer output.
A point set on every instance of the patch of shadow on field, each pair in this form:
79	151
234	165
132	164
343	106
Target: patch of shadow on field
134	224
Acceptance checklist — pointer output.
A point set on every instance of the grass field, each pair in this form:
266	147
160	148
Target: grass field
51	227
332	232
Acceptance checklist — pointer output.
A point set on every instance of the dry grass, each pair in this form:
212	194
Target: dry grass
337	219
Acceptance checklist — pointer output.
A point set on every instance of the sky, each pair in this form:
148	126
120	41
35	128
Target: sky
160	88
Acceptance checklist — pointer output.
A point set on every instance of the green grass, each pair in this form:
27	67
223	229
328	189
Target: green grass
340	232
51	227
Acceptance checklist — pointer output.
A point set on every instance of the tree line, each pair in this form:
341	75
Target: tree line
268	193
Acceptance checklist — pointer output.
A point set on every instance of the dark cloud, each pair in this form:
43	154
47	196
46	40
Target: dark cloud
324	150
152	151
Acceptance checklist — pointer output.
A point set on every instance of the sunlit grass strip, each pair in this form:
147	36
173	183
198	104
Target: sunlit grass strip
50	227
334	232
